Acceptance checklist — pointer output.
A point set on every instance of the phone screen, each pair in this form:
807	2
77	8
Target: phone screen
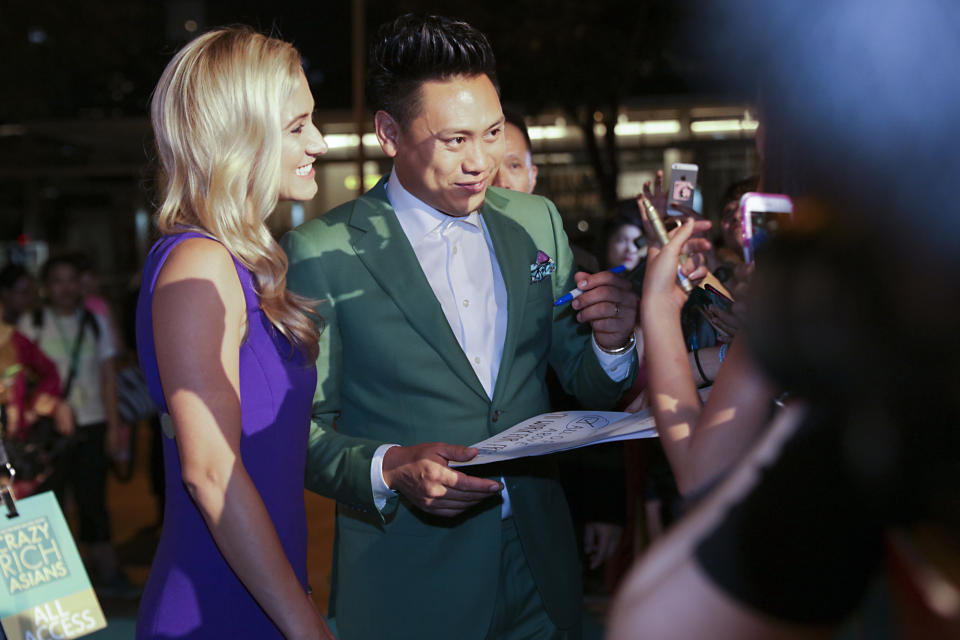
766	224
763	215
683	186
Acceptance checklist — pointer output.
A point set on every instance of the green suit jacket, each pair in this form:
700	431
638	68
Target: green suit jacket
390	370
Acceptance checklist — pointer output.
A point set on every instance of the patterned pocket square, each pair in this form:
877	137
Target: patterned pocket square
542	268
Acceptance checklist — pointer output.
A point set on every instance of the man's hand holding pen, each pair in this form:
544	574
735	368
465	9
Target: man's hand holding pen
609	305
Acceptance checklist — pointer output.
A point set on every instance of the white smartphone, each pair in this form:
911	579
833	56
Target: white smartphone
683	184
762	215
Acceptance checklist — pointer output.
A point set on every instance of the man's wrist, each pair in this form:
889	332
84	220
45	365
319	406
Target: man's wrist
624	348
381	491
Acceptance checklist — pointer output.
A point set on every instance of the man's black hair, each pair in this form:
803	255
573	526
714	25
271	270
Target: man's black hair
413	49
516	120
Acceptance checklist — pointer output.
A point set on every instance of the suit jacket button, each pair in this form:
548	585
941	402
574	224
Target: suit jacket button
496	415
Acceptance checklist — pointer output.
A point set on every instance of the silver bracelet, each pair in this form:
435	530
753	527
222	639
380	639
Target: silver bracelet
723	351
619	351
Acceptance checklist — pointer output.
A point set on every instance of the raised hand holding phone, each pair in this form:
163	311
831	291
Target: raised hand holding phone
762	215
652	216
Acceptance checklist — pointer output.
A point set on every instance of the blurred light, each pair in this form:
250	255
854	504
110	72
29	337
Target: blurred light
190	26
141	220
36	35
647	127
351	182
559	158
350	140
723	126
341	140
296	214
583	226
623	128
555	132
23	239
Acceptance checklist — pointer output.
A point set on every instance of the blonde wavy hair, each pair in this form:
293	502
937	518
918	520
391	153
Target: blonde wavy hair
216	114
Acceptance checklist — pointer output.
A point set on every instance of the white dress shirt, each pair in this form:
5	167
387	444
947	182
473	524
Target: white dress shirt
458	259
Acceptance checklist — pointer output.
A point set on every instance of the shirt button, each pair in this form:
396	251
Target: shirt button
455	250
477	359
466	303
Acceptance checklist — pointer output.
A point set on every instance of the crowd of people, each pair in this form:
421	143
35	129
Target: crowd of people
363	352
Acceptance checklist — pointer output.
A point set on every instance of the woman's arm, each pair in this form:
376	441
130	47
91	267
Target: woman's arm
199	320
700	441
668	595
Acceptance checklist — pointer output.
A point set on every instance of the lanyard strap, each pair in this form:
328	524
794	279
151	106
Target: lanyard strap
85	318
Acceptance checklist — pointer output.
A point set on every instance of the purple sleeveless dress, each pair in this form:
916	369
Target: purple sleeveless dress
191	591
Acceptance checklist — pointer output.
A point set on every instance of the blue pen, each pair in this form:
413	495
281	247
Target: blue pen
568	297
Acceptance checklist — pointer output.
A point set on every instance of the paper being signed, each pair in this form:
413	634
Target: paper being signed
560	431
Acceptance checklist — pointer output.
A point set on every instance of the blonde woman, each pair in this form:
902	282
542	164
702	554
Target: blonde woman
226	350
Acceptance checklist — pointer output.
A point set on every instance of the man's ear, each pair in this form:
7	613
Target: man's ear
388	132
533	177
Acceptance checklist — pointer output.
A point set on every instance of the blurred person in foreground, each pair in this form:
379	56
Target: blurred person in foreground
438	294
226	350
854	314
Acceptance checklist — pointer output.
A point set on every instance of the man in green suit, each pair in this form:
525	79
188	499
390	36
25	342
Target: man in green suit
438	329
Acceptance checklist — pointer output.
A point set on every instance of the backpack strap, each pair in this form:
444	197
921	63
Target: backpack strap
86	318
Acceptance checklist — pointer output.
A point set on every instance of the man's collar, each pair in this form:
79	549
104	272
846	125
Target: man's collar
417	217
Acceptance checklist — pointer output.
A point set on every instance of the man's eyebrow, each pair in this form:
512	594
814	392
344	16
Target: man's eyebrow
454	131
502	120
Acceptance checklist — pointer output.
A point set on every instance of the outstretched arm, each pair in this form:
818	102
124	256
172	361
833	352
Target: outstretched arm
700	441
199	320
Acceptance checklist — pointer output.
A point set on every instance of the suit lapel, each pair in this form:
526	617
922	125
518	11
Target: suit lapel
513	249
382	246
